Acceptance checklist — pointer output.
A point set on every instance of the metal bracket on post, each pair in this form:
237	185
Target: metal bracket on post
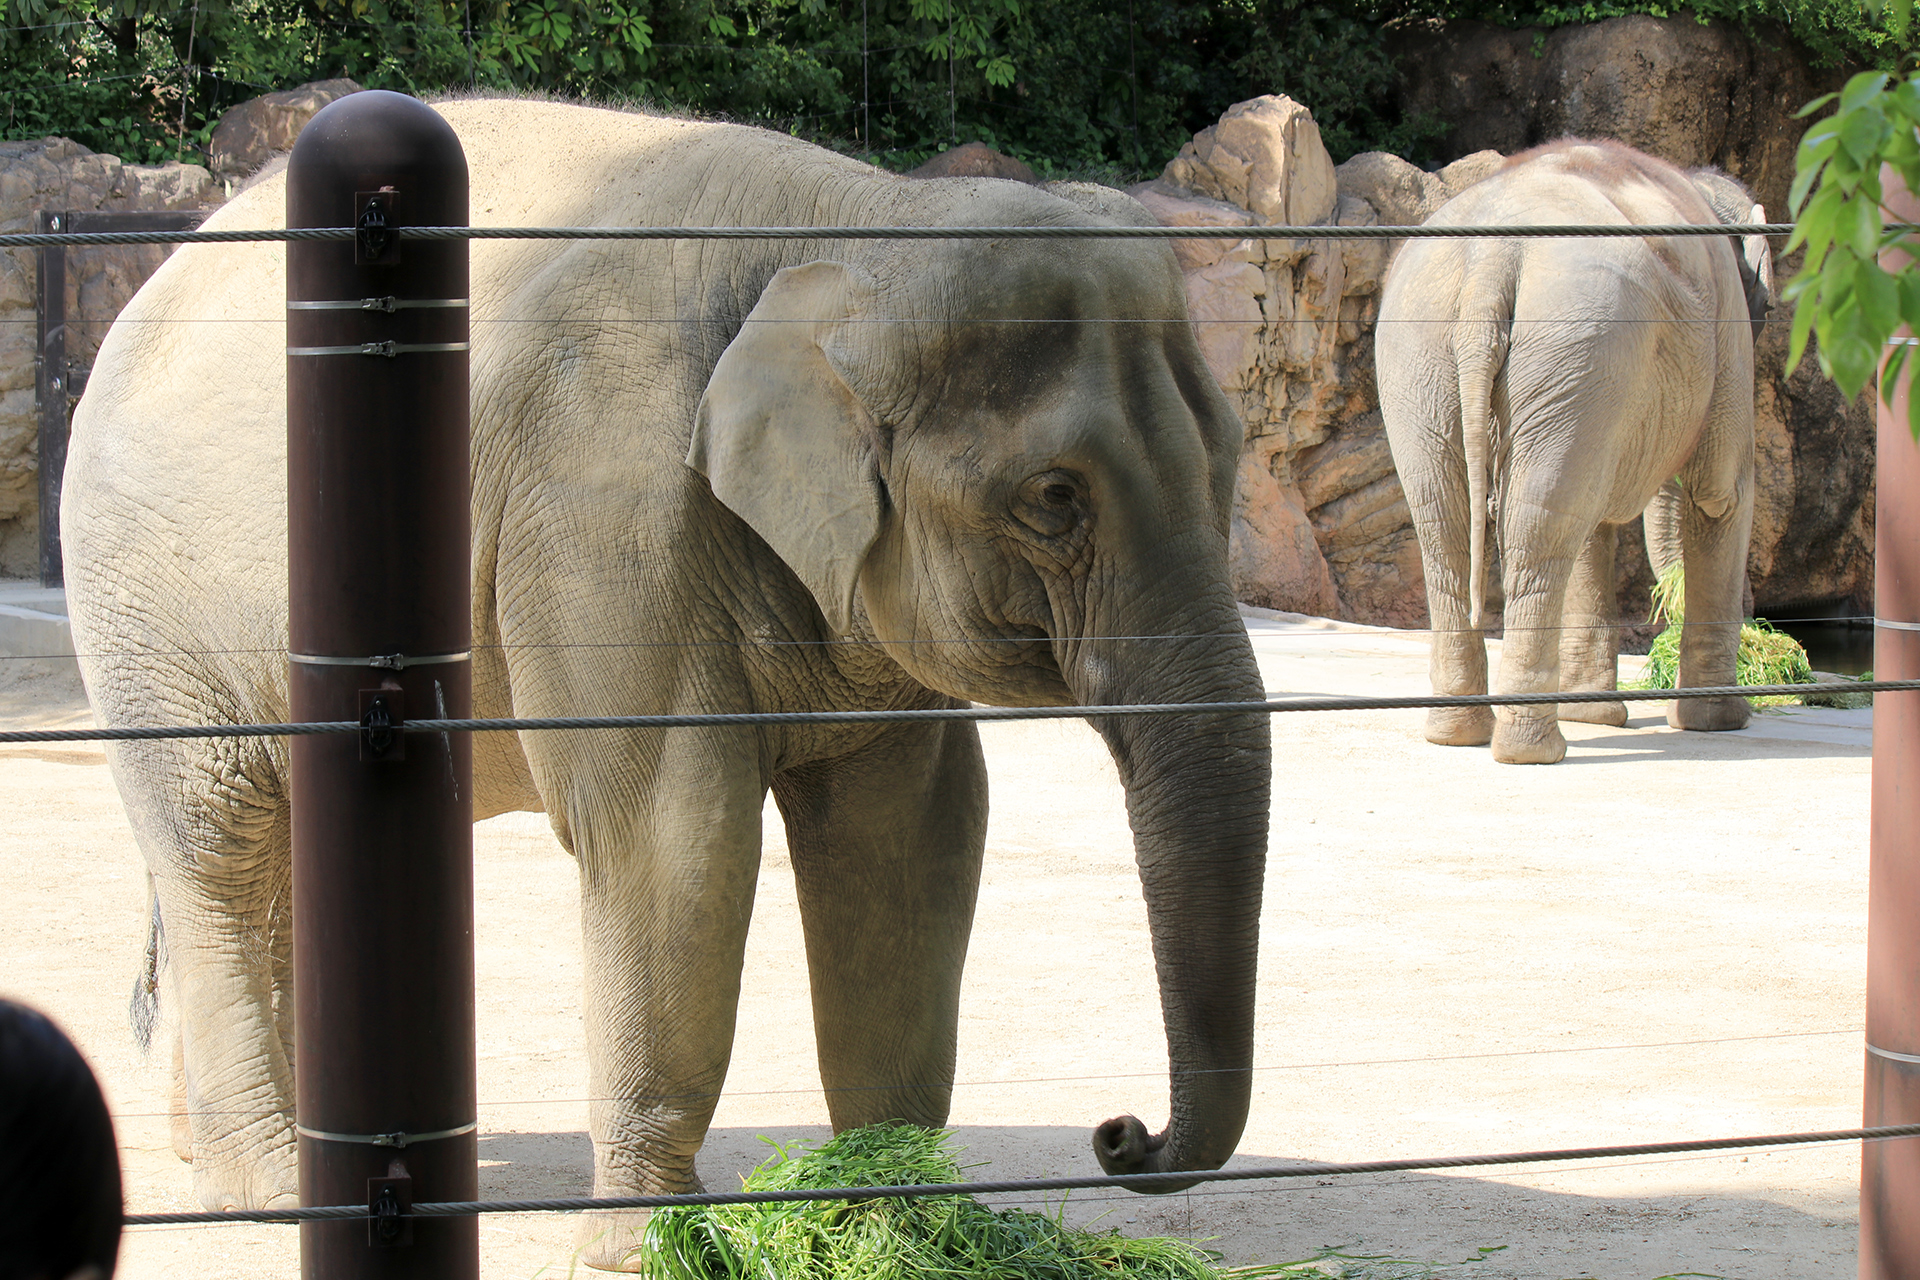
383	718
390	1209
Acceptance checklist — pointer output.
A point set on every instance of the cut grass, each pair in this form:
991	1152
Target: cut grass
935	1237
1766	656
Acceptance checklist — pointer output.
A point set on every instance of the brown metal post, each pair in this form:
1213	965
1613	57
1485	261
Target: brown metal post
50	388
378	629
1890	1171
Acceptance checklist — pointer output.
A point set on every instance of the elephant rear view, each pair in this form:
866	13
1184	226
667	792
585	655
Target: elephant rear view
1554	389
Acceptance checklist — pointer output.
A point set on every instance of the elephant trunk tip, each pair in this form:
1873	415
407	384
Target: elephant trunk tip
1123	1146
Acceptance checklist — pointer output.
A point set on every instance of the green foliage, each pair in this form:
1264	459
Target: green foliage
1842	295
1071	86
1767	655
933	1236
938	1237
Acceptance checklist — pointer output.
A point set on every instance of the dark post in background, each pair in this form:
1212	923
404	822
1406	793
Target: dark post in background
379	627
1890	1171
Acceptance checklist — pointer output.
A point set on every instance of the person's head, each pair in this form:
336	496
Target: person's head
59	1169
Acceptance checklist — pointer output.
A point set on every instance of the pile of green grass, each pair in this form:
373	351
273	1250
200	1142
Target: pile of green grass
935	1237
917	1239
1767	656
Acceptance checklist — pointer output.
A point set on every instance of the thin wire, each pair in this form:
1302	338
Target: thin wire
1854	621
747	719
735	1094
38	240
1148	1182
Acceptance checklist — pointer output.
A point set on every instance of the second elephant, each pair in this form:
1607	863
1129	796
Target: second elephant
1553	389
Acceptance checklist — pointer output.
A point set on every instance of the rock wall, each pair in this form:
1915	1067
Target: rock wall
1321	525
54	173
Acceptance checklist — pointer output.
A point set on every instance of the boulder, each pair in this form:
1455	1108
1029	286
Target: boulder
1265	156
975	160
254	132
59	174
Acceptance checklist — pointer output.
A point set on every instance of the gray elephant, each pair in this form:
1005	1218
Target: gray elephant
712	476
1552	390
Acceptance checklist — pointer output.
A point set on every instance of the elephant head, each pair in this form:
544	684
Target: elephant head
1005	463
1734	205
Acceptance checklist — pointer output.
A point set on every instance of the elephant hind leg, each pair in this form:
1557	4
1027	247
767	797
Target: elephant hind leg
1589	640
212	822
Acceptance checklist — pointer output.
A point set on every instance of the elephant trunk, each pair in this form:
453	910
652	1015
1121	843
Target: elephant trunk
1197	798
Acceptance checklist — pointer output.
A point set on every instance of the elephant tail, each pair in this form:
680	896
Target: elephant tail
143	1007
1480	352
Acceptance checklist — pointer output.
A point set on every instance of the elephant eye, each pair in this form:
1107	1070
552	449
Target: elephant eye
1051	503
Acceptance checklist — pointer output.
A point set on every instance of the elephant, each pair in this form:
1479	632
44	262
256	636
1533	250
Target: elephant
1554	389
748	475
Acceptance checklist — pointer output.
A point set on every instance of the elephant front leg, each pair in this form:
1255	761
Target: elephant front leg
667	886
1589	640
887	846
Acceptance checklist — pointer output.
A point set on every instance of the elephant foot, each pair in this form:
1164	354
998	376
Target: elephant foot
1710	715
1533	739
245	1186
1611	714
1460	726
611	1240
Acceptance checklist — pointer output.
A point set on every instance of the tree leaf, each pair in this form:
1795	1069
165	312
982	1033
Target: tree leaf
1879	298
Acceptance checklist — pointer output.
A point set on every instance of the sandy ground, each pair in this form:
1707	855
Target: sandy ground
1661	938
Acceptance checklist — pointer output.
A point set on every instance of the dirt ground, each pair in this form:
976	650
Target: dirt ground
1662	937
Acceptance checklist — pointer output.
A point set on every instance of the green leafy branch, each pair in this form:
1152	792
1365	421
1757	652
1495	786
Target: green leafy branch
1843	293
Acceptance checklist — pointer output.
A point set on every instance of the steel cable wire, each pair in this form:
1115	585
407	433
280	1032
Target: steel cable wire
731	719
1138	1181
37	240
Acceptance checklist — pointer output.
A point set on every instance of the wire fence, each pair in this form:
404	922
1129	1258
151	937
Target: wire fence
1134	1182
1020	1186
743	719
49	239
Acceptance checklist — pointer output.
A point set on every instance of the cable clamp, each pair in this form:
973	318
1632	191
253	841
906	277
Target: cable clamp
382	661
388	349
395	1140
387	304
1896	626
1891	1056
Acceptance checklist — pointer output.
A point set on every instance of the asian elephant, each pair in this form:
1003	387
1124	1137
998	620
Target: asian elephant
712	476
1551	390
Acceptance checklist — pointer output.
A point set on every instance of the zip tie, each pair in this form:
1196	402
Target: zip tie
387	304
1132	1181
388	349
382	661
735	719
387	1139
1889	1054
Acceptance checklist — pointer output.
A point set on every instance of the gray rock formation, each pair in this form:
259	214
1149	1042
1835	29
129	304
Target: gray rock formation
54	173
254	132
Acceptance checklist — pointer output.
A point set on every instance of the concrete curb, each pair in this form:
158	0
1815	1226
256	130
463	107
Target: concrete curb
33	624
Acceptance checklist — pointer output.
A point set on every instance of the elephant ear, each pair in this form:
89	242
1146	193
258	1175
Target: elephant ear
785	442
1756	272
